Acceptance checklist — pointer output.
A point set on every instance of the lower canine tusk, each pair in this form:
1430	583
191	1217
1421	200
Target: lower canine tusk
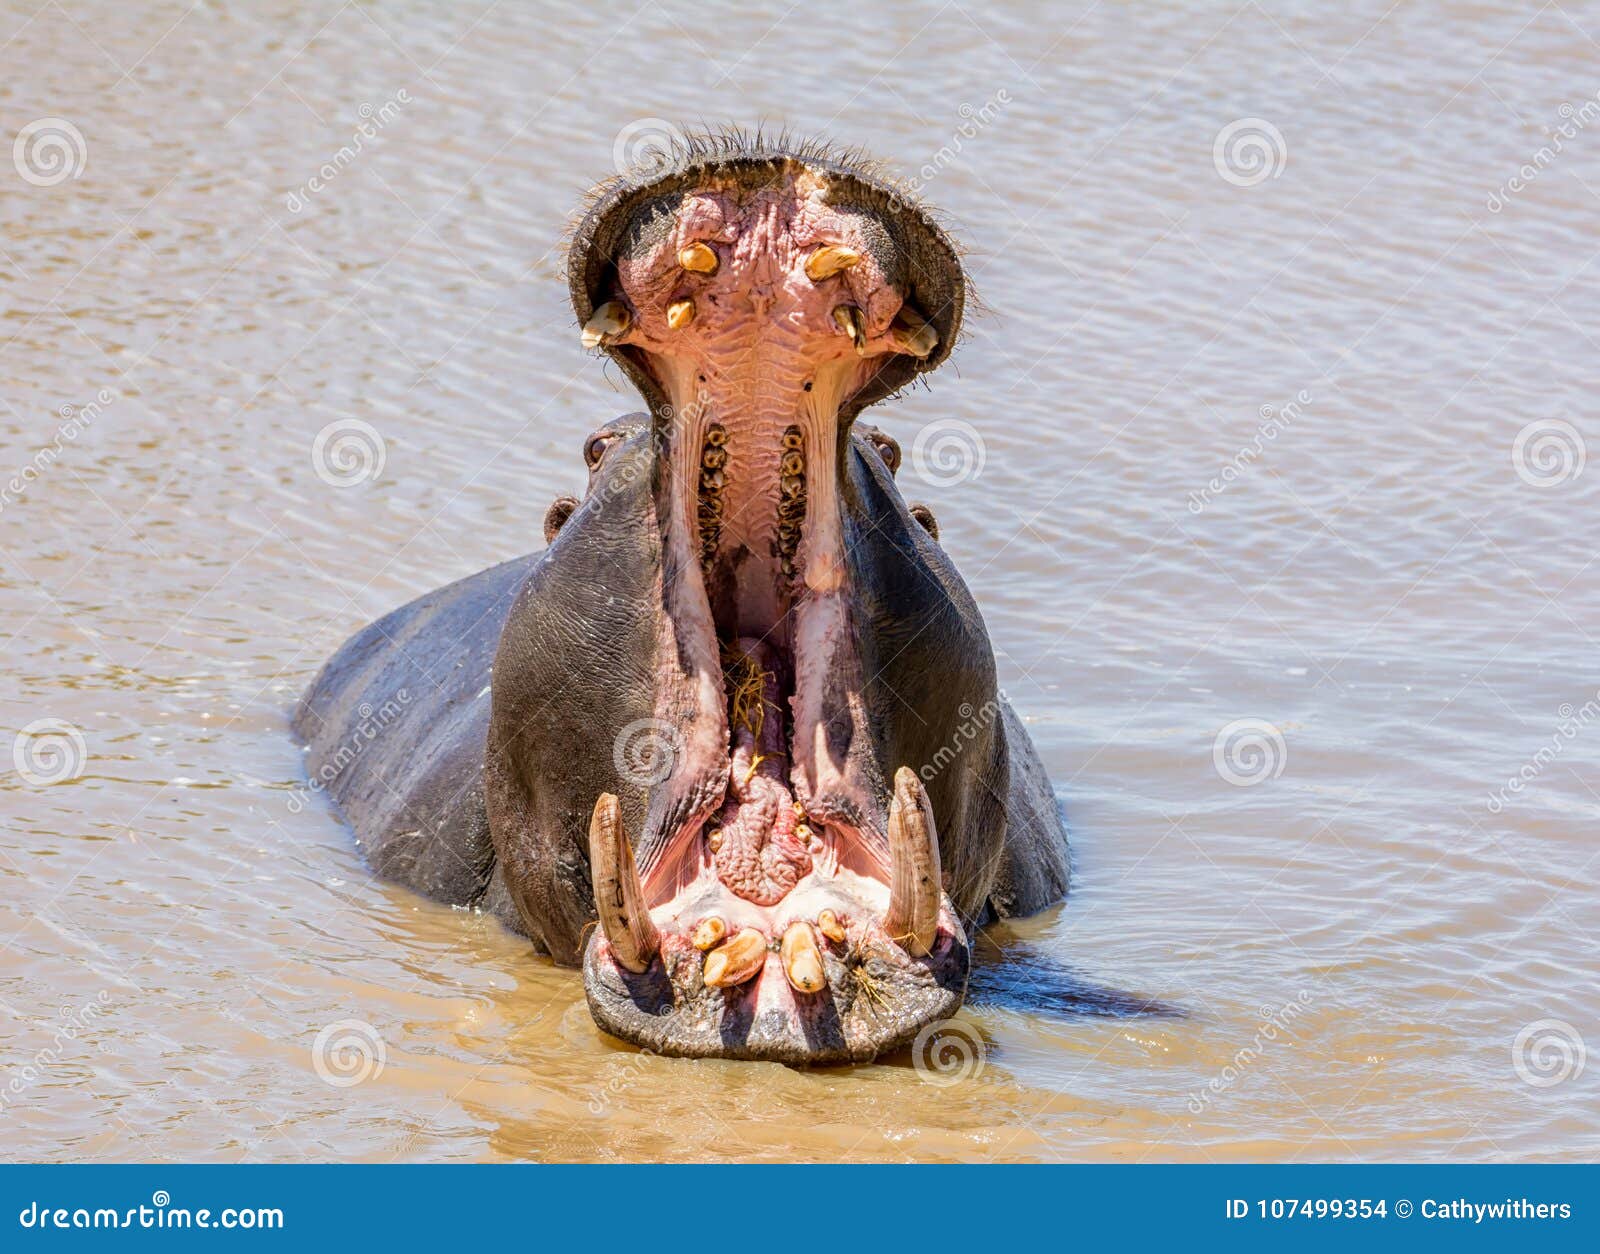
913	917
618	894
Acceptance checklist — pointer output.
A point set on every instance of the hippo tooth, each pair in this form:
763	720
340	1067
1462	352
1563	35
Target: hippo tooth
737	960
680	314
849	320
606	323
828	924
618	894
829	260
698	259
913	333
913	917
802	960
708	932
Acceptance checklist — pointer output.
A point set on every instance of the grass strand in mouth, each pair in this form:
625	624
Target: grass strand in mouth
746	682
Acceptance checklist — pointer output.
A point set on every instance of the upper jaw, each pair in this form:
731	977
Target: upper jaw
629	213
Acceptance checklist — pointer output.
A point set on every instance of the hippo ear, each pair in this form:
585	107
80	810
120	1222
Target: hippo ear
556	516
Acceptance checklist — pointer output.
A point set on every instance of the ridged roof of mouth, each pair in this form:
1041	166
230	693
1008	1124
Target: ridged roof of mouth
929	266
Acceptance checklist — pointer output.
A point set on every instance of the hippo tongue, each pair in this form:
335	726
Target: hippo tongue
760	847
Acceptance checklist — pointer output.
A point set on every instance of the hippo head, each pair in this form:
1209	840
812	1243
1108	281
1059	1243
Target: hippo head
744	709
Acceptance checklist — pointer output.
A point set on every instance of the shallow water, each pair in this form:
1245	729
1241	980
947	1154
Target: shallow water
1350	937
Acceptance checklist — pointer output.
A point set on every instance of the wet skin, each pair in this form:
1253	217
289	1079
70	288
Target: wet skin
732	742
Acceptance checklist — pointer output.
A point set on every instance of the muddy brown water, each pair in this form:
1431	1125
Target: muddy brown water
1384	603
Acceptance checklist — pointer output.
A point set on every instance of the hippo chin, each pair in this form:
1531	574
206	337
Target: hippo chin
741	710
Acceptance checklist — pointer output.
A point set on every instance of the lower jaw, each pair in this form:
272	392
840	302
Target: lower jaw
859	990
877	998
869	991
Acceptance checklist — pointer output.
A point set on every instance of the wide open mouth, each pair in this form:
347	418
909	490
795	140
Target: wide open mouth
784	901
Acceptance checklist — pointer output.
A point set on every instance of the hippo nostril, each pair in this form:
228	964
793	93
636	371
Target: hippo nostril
926	520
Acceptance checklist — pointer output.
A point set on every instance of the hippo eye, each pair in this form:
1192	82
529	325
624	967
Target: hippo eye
594	448
888	449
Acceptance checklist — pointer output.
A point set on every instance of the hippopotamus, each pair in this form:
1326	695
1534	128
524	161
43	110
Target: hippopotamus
732	742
